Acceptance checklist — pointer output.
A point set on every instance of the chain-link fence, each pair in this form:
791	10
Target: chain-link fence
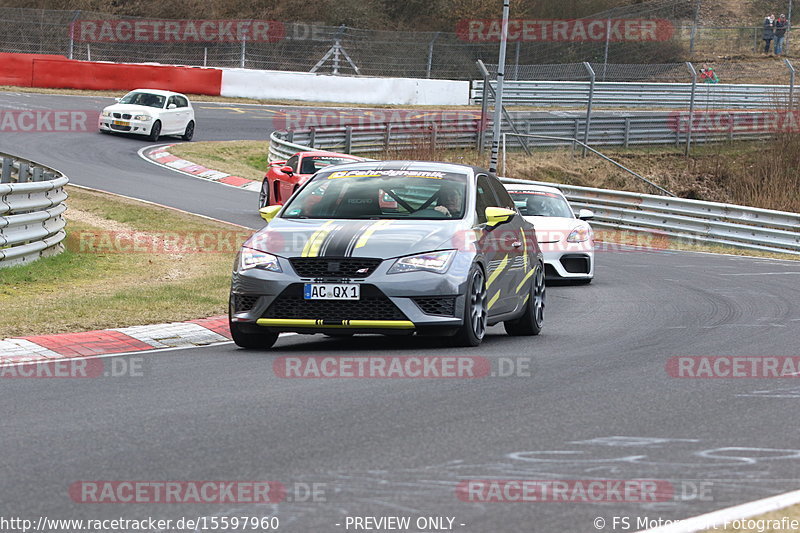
344	50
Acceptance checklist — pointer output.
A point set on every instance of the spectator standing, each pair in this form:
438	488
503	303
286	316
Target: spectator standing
781	25
769	32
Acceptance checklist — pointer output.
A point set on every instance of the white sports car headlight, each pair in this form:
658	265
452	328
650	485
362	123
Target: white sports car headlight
249	258
106	113
143	118
581	234
431	262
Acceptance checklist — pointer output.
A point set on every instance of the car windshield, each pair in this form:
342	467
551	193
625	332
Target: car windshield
313	163
380	194
145	99
541	204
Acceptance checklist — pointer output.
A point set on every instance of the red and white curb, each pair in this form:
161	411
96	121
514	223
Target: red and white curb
42	348
161	156
729	517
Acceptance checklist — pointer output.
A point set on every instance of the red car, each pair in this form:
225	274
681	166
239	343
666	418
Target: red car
285	177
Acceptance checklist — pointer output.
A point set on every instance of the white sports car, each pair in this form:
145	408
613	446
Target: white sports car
566	239
150	112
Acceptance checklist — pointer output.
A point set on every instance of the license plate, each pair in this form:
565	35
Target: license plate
121	123
331	291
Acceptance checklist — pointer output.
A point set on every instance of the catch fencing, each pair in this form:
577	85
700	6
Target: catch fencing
348	50
31	207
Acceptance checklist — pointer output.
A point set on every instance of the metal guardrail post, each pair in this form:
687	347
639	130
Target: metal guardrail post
588	105
627	131
37	174
348	139
312	136
387	136
430	54
8	166
484	105
693	72
24	173
791	81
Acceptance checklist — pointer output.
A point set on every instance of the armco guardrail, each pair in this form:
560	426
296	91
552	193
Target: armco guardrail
644	95
31	206
694	220
604	130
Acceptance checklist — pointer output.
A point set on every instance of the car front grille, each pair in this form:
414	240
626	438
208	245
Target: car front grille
373	305
126	116
575	264
243	303
120	128
335	268
435	305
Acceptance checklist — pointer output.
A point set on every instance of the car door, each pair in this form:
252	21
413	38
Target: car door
170	118
185	113
502	246
284	185
515	243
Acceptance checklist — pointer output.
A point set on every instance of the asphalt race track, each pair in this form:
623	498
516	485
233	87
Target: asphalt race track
598	404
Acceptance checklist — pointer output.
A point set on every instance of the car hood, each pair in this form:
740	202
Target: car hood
355	238
554	229
132	109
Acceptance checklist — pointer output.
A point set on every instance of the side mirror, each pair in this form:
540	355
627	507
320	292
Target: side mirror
286	169
172	106
585	214
498	215
269	212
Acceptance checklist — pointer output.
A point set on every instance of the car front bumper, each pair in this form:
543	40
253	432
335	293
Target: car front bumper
390	303
568	260
140	127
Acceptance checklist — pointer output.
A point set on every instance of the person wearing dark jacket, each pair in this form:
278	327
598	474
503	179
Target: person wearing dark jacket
781	25
769	32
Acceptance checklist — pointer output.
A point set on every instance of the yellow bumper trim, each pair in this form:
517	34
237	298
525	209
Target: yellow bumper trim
343	324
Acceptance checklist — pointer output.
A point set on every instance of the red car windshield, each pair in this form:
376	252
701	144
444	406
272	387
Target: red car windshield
313	163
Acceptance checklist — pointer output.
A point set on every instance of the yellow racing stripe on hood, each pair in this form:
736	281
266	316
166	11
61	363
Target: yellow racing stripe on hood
362	241
311	249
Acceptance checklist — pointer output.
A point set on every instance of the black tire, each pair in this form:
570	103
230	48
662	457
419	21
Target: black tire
252	341
476	313
189	133
155	131
263	196
532	320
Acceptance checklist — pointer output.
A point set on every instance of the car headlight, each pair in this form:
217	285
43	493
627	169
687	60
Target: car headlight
249	258
430	262
579	235
106	113
143	118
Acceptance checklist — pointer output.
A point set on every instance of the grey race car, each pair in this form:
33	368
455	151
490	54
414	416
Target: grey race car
392	247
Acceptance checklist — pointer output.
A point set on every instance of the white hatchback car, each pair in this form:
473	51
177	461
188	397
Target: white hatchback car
150	112
566	239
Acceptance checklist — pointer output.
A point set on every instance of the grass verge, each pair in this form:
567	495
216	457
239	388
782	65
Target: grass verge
246	159
126	263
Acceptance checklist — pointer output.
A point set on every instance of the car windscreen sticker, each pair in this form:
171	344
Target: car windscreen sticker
385	173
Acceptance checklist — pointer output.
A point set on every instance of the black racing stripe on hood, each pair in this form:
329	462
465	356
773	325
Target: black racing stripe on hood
340	243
